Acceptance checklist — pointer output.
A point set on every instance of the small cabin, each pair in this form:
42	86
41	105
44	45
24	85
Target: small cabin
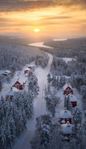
28	71
65	116
67	129
6	72
67	89
73	101
18	85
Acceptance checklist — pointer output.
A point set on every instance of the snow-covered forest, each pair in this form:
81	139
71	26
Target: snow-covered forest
43	97
66	69
16	107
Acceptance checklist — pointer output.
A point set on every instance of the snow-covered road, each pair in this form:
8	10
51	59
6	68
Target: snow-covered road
40	103
39	106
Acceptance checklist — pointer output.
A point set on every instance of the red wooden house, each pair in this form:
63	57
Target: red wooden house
73	100
67	89
18	85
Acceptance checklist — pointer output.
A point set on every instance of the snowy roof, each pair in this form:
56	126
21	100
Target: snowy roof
72	98
66	59
66	86
14	89
5	72
65	114
67	128
27	68
17	82
31	65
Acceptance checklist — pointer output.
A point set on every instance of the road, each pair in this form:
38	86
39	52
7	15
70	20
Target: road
39	106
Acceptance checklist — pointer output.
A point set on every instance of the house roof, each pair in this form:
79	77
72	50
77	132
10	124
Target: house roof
66	86
67	128
27	69
65	114
72	98
17	82
14	89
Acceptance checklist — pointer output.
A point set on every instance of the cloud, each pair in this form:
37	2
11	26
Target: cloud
62	17
11	5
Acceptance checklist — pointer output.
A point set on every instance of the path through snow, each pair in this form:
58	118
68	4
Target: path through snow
39	106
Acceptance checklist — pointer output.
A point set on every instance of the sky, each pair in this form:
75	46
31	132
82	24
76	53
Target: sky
43	18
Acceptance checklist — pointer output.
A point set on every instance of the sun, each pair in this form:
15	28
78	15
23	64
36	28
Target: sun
36	30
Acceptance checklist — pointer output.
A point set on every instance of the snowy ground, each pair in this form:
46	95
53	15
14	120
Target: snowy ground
39	106
39	103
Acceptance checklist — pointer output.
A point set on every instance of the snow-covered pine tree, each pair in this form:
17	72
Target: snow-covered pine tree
33	85
14	114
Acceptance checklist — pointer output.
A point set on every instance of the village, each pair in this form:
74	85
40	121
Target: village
16	103
43	105
68	123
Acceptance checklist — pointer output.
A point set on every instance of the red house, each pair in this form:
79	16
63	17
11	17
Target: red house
73	100
18	85
67	89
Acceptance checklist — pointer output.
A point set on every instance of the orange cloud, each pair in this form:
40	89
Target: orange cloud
52	21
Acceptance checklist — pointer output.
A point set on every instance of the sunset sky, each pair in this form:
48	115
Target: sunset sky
44	18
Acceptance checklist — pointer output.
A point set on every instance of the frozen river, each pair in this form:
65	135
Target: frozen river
40	45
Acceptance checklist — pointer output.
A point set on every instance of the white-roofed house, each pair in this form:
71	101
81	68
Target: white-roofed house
28	71
67	129
65	115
